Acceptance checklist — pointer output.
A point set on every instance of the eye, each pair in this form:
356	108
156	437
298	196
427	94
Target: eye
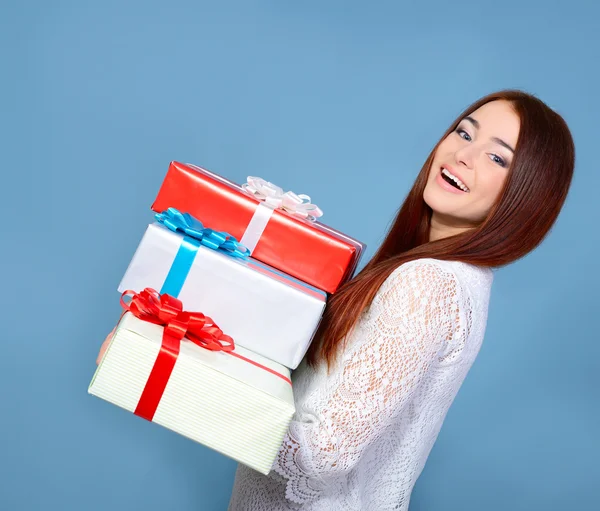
498	159
463	134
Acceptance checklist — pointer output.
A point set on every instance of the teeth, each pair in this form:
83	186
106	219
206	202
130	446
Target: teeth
460	184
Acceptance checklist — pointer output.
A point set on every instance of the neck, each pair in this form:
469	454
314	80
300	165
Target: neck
442	227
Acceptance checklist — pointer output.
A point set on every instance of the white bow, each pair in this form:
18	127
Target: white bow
273	196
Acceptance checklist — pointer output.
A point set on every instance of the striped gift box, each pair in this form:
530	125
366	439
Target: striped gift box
239	408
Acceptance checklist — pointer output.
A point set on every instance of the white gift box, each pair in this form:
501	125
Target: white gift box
223	402
264	310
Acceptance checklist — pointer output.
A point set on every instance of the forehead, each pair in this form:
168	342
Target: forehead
498	119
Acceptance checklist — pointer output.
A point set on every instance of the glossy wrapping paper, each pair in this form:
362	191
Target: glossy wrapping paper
310	251
265	311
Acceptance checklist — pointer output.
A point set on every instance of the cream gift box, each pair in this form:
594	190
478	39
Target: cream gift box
264	310
240	408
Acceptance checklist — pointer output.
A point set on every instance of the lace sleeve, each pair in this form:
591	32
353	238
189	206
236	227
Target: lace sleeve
412	318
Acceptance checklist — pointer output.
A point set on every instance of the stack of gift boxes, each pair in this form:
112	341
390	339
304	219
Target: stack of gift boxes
227	289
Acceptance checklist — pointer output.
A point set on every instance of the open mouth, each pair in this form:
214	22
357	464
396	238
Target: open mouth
454	181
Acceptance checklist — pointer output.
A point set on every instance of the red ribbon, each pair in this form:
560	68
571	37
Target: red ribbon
167	311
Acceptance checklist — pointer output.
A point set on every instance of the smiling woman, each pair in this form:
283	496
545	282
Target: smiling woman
397	341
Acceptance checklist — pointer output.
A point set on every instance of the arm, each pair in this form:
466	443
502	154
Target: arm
414	315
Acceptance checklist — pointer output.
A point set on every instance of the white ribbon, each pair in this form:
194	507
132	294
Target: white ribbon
272	197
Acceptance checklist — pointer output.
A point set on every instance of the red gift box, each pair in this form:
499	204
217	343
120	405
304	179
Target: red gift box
310	251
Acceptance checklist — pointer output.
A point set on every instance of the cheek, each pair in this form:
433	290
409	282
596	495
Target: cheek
492	186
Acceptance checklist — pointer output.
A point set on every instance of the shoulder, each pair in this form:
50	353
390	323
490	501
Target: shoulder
435	281
436	300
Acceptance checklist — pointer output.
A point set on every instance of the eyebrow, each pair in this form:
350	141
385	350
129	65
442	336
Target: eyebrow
494	139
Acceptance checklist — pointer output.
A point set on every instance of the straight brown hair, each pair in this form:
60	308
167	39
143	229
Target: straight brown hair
528	205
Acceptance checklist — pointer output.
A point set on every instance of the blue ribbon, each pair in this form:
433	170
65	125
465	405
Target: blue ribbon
195	234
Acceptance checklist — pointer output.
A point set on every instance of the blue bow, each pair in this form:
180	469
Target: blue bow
195	234
186	224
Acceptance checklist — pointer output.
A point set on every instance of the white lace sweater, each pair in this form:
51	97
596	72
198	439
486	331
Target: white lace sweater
361	434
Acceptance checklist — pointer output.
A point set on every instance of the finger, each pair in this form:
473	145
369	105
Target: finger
104	346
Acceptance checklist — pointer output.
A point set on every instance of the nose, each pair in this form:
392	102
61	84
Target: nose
466	155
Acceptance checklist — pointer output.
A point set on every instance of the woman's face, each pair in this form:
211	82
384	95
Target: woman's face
470	166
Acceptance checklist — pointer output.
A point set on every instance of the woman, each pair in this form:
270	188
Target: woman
398	340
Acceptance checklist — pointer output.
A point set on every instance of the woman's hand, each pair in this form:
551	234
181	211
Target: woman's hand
104	346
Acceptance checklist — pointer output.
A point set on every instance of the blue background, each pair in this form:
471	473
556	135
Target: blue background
339	99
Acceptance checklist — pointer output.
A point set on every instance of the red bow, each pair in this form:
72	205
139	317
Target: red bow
167	311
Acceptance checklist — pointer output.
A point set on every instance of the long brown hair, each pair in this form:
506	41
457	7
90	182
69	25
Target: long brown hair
527	207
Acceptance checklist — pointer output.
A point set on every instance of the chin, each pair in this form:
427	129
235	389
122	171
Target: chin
443	209
436	201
